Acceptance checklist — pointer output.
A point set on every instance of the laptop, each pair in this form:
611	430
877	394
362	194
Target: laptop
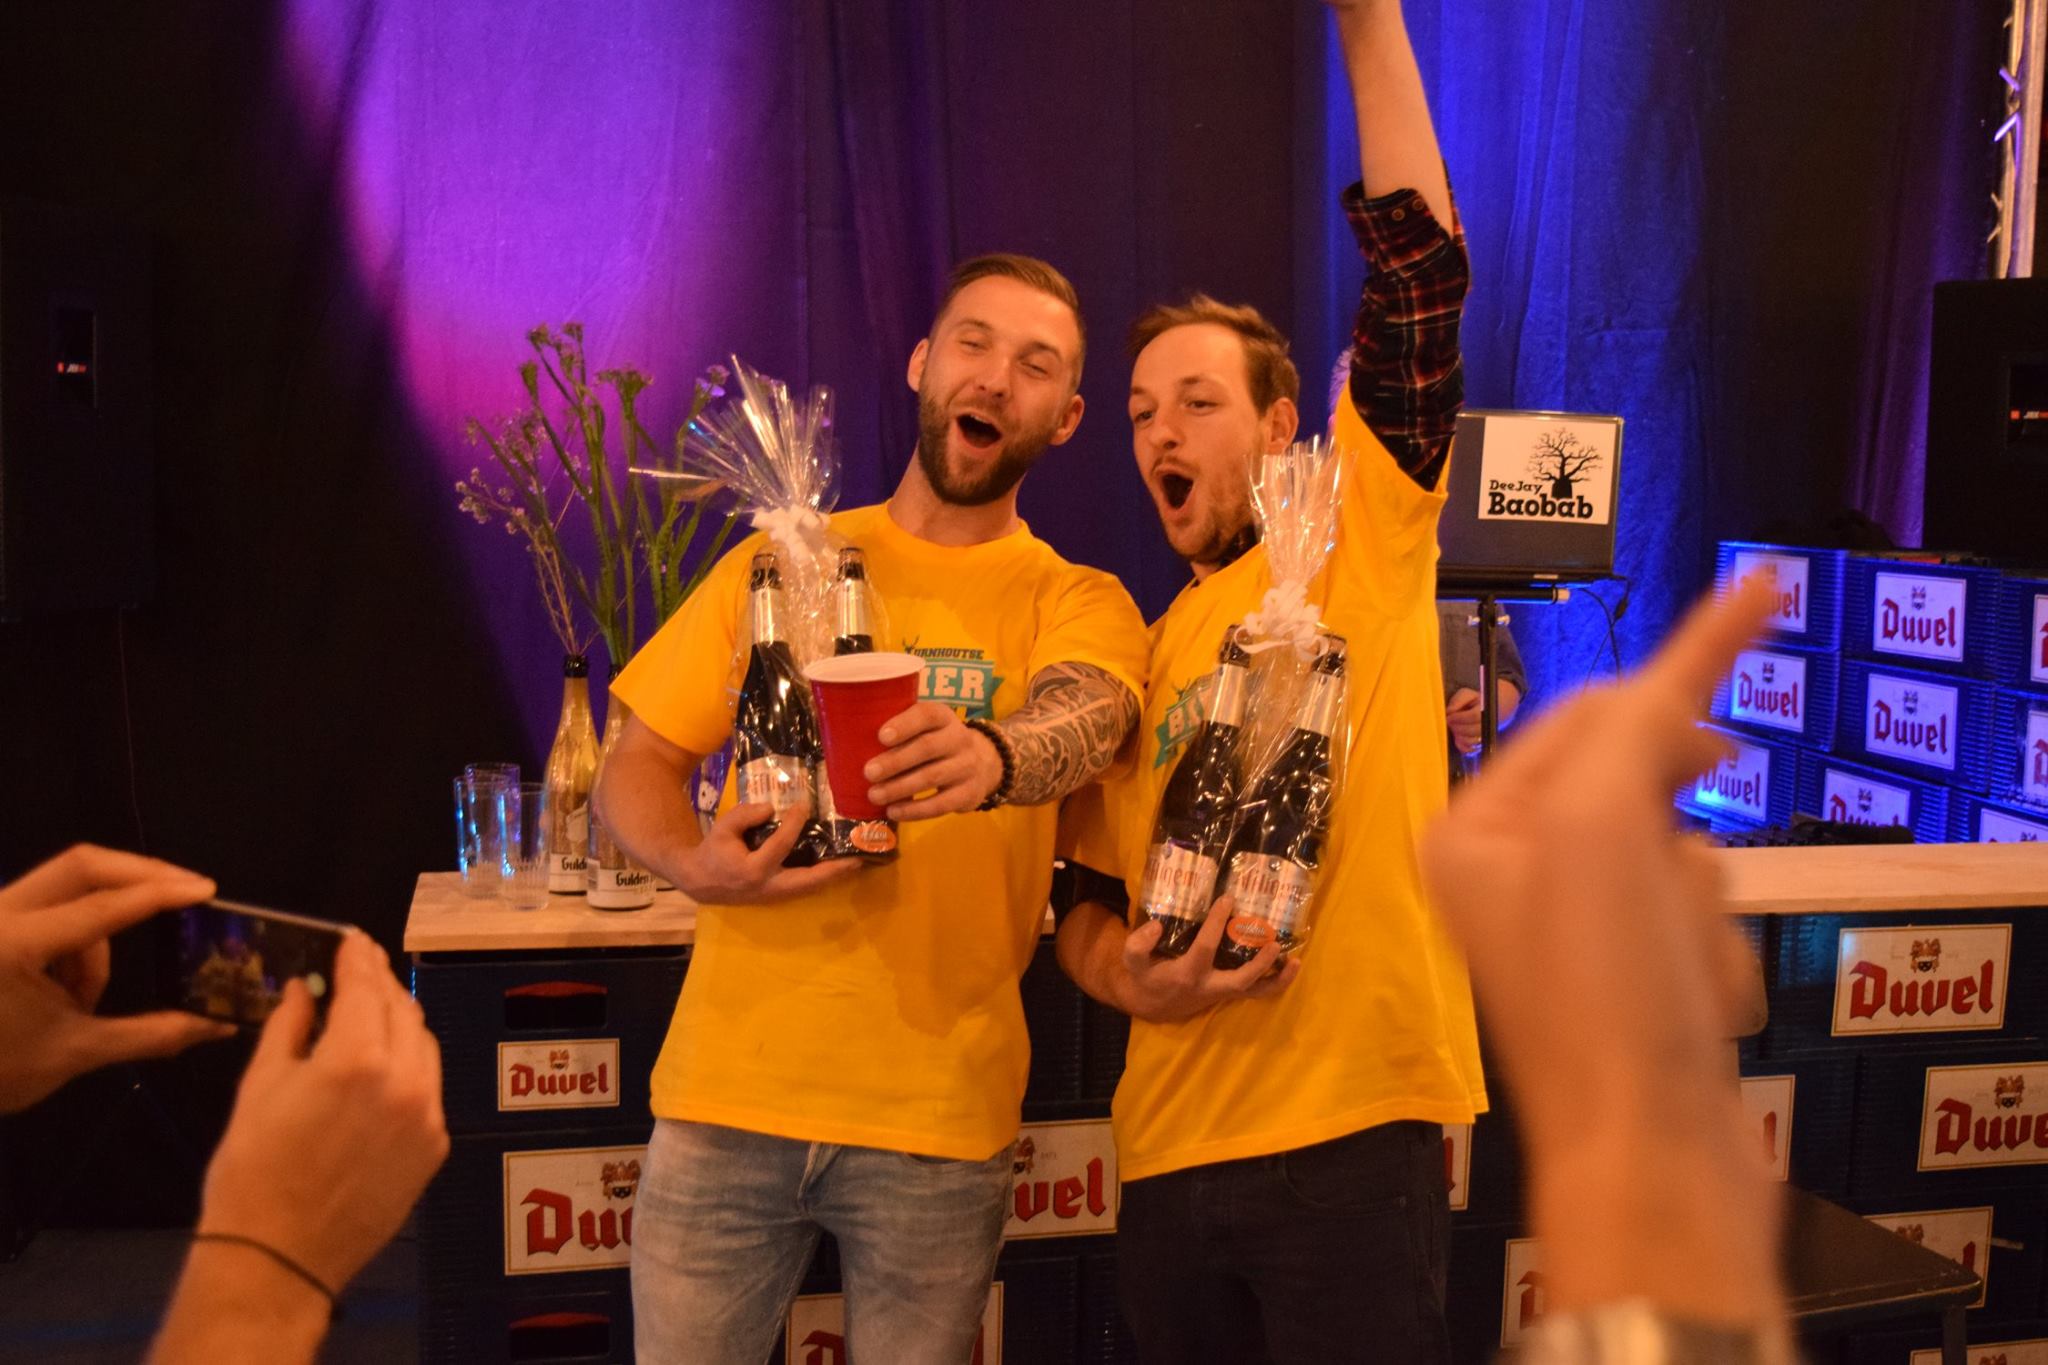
1532	500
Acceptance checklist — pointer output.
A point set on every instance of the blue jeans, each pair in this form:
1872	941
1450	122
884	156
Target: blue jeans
1333	1254
727	1221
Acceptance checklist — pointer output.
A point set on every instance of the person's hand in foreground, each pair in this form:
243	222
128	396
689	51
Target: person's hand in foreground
55	921
328	1149
1601	959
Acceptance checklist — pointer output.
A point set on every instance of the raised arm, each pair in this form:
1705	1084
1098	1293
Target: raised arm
1407	377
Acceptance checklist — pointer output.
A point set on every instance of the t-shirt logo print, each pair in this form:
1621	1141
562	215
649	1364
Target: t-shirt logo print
1184	716
958	676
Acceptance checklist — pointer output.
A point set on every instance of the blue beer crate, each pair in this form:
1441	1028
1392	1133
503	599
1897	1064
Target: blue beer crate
1933	726
543	1212
1833	788
1915	1346
2019	747
1756	785
1808	1141
1901	988
2019	635
525	1324
1945	1092
1978	821
1809	588
1920	614
1781	694
540	1041
2010	1259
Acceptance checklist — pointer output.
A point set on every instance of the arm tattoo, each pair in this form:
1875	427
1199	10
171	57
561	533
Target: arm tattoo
1070	726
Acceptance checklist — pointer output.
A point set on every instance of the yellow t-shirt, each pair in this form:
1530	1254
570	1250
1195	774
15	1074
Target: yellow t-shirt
883	1012
1379	1025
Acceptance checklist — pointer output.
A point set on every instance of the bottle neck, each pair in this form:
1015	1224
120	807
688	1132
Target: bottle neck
852	619
767	615
575	702
1226	697
1325	703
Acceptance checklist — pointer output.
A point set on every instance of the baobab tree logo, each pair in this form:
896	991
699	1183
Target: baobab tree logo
1563	459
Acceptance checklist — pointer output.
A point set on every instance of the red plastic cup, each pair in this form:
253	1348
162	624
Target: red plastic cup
857	695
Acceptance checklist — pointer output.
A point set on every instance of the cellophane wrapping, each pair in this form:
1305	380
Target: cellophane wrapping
775	455
1295	743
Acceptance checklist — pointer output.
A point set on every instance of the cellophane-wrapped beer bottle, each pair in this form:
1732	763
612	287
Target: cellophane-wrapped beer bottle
613	881
1276	843
853	632
775	748
571	774
1184	859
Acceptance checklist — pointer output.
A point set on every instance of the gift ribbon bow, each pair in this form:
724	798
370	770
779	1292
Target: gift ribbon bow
800	531
1284	616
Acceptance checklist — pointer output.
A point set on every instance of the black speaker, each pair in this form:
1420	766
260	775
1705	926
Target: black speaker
1987	419
76	464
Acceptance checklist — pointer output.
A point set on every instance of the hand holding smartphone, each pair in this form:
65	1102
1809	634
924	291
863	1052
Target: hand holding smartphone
230	961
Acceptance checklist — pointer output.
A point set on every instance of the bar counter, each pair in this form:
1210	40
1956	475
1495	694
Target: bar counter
550	1019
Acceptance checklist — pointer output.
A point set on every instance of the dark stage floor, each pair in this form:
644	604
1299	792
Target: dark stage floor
93	1298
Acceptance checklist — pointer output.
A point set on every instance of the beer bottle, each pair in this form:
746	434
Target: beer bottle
853	624
853	632
570	775
775	747
613	881
1194	811
1276	846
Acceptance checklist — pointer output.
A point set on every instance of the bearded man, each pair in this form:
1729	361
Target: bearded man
849	1052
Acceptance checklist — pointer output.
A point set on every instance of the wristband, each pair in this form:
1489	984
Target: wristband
1004	752
236	1239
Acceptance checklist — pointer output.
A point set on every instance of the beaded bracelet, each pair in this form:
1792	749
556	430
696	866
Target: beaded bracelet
1004	752
236	1239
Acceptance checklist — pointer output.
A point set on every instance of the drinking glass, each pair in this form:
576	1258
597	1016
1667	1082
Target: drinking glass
526	846
481	795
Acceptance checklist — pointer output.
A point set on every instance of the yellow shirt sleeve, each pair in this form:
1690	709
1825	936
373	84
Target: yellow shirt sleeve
1094	621
1386	522
681	682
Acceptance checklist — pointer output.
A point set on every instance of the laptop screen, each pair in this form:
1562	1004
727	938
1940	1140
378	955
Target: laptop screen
1532	499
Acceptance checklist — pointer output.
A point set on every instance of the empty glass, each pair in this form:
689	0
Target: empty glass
482	794
526	846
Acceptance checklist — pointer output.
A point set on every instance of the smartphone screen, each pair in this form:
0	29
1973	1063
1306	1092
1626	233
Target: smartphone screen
232	961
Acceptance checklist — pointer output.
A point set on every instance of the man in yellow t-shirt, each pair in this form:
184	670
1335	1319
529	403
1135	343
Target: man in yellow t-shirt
1279	1126
849	1052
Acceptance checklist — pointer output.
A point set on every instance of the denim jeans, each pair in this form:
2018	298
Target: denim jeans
726	1223
1327	1254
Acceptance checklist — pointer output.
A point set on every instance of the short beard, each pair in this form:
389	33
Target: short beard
1013	460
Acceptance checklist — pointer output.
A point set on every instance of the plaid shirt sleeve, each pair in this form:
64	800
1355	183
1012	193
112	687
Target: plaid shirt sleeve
1407	374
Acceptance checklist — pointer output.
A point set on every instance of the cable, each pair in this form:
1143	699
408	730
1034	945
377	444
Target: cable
1613	615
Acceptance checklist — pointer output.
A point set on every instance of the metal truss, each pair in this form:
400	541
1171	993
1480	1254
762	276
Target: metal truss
2019	181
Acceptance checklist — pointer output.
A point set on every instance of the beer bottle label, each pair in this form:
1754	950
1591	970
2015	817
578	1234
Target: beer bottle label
1271	896
567	863
1179	882
776	780
620	887
565	872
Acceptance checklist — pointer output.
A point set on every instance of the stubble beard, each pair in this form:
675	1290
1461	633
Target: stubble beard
1018	452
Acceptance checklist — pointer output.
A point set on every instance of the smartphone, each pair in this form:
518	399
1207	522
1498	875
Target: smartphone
231	961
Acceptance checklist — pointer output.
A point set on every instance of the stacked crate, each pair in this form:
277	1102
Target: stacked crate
1894	689
526	1231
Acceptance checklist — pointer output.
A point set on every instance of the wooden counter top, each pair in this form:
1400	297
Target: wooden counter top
1759	881
1819	881
443	920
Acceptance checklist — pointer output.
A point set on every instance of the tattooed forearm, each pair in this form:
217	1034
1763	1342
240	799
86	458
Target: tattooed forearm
1070	726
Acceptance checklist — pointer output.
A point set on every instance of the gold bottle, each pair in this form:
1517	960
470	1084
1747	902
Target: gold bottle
571	774
613	880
